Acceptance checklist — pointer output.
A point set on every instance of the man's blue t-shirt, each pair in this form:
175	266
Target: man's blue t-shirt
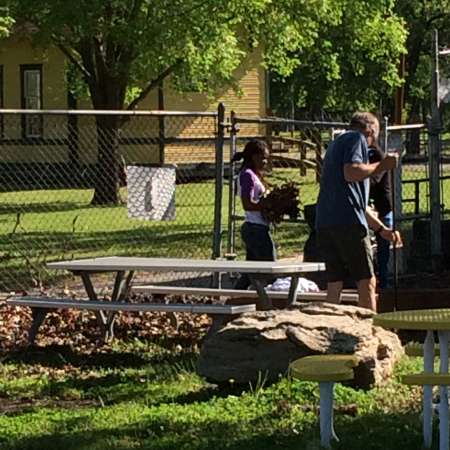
342	203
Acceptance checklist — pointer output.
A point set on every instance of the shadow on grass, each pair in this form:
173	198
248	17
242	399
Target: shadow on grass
48	207
58	356
25	253
153	431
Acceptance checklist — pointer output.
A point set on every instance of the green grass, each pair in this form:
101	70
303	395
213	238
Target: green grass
38	226
43	225
148	397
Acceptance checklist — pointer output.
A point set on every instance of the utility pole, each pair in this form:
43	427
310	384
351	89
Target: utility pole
434	129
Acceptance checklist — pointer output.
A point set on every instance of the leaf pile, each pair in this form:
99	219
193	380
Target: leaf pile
280	201
79	329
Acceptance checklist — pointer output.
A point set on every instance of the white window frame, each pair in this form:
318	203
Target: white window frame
32	126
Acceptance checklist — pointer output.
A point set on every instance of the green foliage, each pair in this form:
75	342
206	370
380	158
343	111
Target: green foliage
421	18
200	43
134	43
353	63
6	22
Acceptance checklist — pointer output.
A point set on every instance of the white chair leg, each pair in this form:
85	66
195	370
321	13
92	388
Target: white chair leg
428	354
443	393
333	433
326	413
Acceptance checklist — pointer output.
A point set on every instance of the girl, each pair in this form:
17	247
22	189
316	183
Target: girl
255	231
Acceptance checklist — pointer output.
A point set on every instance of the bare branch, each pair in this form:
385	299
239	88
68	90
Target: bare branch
152	84
86	74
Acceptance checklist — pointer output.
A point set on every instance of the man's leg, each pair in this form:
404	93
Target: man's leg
367	293
326	243
334	291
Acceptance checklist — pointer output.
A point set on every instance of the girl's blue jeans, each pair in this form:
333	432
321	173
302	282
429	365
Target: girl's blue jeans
383	252
259	246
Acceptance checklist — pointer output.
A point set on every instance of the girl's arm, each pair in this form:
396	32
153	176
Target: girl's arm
248	205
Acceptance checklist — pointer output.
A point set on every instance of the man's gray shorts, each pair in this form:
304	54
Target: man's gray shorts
347	252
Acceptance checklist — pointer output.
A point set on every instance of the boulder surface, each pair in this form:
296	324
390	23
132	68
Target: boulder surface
263	343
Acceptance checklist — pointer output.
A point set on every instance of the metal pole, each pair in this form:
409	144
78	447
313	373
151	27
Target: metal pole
434	129
162	125
217	240
219	182
392	176
232	189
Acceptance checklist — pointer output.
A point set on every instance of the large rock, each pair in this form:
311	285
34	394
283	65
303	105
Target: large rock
261	344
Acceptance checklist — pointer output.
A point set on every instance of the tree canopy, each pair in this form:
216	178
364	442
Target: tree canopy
118	44
421	17
353	64
6	21
338	51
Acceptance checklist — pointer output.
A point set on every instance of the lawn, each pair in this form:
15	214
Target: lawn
42	225
144	395
142	392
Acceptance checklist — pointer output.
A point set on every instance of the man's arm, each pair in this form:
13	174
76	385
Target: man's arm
359	171
378	226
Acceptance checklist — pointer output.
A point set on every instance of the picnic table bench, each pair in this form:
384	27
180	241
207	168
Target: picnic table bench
123	268
346	296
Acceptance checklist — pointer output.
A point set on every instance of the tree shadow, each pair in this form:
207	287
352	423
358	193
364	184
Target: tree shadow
367	432
44	207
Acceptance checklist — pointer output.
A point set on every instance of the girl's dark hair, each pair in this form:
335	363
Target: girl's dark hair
253	147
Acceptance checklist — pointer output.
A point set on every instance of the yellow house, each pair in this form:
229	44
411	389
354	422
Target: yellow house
35	78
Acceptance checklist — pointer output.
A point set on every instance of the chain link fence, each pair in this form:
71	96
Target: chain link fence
64	191
297	148
77	184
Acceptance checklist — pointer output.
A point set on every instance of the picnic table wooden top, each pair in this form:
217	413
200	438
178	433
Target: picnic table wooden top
118	263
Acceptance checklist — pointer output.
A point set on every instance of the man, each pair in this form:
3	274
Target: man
381	197
343	217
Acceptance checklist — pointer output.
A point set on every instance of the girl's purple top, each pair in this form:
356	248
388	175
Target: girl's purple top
251	186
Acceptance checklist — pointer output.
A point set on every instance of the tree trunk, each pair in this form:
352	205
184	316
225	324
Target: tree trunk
108	167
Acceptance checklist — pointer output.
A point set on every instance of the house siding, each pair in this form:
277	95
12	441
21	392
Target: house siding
53	148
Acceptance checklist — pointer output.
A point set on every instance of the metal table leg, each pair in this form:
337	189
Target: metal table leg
292	295
443	393
121	292
428	354
38	315
260	285
92	295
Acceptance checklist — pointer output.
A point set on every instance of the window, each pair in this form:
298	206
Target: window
31	83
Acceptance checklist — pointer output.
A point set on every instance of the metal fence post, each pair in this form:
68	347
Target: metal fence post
161	125
434	128
232	189
219	182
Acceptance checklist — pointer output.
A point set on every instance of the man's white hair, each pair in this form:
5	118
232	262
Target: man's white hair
364	121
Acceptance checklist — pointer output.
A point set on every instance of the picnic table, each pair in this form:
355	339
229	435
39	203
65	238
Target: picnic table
431	321
123	269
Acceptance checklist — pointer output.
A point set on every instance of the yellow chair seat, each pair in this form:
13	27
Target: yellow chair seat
424	379
422	319
324	368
